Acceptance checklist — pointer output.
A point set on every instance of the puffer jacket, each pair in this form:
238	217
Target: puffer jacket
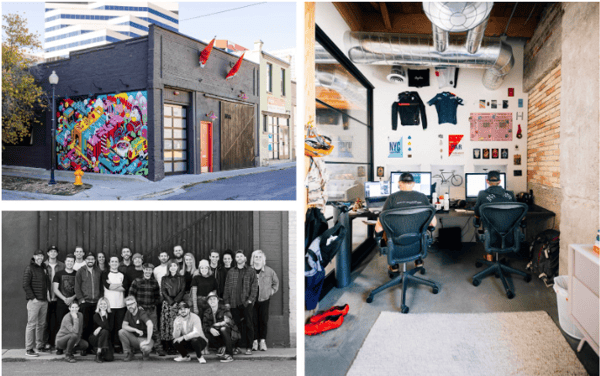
36	282
172	288
268	284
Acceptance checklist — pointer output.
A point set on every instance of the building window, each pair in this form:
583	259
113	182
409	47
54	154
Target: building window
282	82
265	123
269	77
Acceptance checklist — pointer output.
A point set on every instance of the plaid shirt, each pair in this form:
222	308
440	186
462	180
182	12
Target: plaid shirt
249	287
145	291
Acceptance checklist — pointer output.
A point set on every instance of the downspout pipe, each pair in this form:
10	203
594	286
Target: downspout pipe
493	55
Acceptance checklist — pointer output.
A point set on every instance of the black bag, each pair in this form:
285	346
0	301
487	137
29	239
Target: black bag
544	253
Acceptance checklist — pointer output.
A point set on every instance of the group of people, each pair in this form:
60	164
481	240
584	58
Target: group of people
94	304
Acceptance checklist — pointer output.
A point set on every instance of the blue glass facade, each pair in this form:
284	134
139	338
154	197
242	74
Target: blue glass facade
63	36
133	24
83	43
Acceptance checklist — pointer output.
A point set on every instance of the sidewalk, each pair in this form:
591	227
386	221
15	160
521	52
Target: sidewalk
118	187
17	355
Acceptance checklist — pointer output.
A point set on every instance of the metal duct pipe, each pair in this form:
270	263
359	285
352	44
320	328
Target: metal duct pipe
494	55
440	38
475	36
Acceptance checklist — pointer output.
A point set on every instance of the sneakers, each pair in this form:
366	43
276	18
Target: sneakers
69	358
255	345
248	351
394	269
328	323
128	357
31	352
42	349
237	351
263	345
221	351
161	352
201	360
145	355
83	352
59	351
227	358
418	263
182	359
333	311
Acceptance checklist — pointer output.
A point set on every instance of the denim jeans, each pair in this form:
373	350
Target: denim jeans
131	341
37	311
70	343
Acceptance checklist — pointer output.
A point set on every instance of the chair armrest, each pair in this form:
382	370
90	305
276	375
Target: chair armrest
430	228
476	222
523	223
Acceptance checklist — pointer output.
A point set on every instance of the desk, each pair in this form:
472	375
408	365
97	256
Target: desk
347	259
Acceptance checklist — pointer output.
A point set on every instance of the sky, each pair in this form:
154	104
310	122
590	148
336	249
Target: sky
272	22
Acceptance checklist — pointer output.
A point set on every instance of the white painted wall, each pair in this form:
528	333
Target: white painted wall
425	143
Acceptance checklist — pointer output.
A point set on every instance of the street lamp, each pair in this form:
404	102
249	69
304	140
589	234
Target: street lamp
53	81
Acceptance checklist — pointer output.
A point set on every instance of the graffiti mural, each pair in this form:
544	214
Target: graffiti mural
104	134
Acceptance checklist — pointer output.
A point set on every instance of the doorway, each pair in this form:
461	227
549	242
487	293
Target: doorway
175	139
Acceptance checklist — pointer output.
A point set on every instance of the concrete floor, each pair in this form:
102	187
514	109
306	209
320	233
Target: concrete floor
333	352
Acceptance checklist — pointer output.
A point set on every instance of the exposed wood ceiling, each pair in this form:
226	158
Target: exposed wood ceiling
409	18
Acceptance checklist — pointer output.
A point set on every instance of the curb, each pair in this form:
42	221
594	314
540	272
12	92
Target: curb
138	357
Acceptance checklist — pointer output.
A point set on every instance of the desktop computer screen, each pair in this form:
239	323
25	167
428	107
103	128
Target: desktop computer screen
475	182
376	193
422	182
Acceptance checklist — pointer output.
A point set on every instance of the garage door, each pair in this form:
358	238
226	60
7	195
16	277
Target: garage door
237	136
175	140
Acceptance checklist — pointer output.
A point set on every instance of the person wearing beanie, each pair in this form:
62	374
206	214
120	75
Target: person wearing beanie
405	197
202	285
493	193
37	288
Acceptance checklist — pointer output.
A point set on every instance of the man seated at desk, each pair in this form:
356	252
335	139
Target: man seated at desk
405	197
494	193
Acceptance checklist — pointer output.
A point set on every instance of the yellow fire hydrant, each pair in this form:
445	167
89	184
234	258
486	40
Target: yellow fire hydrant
78	176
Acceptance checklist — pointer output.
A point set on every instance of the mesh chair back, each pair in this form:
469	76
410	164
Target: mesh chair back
405	229
501	222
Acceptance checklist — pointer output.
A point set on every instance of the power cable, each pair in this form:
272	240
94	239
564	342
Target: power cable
223	11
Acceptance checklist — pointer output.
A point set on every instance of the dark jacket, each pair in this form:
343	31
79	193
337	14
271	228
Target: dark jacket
59	266
249	287
494	193
88	285
220	275
222	311
36	282
172	288
409	106
107	323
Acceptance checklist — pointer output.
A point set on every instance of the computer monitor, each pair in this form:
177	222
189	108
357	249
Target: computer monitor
376	192
476	182
422	181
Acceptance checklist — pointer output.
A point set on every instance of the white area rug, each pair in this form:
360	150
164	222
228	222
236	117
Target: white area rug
477	344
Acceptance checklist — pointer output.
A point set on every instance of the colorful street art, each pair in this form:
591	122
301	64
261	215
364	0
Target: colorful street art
105	134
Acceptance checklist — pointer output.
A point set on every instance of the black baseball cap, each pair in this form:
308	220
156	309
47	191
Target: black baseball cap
88	254
38	252
52	248
493	176
407	177
183	305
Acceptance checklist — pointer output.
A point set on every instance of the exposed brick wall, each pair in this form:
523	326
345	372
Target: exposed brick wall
543	142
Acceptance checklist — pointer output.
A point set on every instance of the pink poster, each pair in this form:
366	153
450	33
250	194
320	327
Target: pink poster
491	126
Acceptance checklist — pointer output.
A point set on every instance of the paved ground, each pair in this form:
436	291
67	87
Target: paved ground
120	368
271	185
116	187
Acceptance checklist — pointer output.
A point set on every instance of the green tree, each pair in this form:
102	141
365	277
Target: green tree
21	97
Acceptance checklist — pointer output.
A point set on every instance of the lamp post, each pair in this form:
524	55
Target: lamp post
53	81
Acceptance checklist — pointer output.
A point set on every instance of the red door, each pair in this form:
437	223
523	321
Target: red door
206	144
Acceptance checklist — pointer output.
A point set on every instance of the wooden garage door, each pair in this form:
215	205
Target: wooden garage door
237	136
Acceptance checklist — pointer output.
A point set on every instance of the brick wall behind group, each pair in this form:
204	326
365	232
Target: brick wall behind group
543	142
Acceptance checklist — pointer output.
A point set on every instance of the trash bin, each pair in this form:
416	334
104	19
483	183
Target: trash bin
561	286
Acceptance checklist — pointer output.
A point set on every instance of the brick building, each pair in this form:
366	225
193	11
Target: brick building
145	106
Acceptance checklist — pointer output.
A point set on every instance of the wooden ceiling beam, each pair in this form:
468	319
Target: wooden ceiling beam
386	16
351	14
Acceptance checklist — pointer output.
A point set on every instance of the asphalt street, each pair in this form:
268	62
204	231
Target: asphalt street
271	185
138	367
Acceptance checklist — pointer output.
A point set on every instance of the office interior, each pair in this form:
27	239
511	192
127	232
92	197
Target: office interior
549	98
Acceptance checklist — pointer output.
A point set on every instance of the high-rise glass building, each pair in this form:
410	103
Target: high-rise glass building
80	25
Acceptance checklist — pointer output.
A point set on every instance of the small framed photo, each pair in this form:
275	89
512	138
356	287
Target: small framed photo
362	172
476	153
482	103
505	103
495	153
517	159
494	103
504	154
486	153
380	172
518	172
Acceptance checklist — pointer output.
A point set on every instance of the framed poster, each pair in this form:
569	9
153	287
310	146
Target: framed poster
476	153
486	153
504	154
495	153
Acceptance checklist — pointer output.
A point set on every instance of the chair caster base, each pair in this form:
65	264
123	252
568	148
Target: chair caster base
423	271
435	290
476	282
528	278
510	294
404	309
370	299
478	264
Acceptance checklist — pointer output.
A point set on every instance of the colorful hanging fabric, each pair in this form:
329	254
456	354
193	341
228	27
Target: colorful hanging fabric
235	68
206	52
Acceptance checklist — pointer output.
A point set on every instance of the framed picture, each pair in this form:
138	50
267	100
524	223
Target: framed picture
494	103
495	153
518	172
486	153
505	103
362	172
476	153
504	154
380	172
482	103
517	159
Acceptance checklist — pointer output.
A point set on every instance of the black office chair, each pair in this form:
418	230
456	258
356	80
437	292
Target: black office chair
407	240
501	235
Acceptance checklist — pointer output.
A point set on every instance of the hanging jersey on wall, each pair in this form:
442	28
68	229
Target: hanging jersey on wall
446	76
418	77
409	106
446	104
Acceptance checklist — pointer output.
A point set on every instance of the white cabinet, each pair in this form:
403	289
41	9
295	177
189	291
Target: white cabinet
584	306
